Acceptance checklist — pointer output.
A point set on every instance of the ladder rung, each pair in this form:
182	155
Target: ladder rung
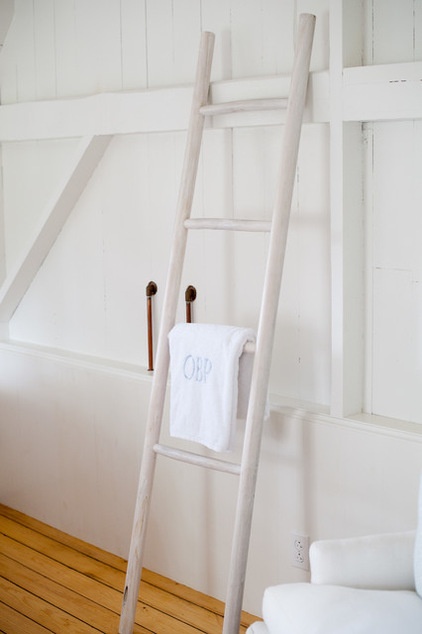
197	459
249	347
227	224
247	105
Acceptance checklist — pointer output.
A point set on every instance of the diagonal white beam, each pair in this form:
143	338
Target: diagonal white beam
87	156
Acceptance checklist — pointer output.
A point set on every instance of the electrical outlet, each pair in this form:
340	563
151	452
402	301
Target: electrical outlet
300	550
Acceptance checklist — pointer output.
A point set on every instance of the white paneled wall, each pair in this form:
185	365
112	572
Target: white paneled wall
147	43
73	385
393	156
394	276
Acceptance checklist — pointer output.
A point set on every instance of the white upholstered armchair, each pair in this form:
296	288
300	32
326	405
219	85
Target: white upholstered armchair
364	585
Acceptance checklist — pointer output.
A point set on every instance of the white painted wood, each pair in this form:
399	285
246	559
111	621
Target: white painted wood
228	224
255	32
6	15
353	34
391	18
396	351
321	46
243	106
104	70
2	231
376	93
266	327
173	31
264	343
53	219
160	56
302	346
217	18
417	40
155	414
46	316
44	45
196	459
353	270
65	50
391	92
158	110
25	71
134	44
394	269
336	208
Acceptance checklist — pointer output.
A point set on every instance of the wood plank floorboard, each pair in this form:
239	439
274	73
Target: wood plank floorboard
53	582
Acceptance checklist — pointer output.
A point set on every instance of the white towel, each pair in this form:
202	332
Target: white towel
204	367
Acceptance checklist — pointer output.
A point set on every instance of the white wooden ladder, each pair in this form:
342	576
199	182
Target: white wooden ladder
278	226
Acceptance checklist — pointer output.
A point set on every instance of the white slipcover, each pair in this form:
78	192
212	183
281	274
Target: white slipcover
358	586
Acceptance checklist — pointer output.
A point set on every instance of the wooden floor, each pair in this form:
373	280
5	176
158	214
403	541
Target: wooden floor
51	582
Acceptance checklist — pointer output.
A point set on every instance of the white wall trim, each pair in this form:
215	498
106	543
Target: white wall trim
310	412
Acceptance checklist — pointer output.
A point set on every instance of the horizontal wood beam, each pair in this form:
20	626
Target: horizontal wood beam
89	152
157	110
370	93
390	92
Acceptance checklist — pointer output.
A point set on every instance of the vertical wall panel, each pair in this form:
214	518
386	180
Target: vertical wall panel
393	29
418	30
208	264
133	43
320	49
160	55
301	362
396	271
186	36
2	230
8	71
66	300
173	38
39	166
44	49
262	37
25	52
255	158
216	17
98	46
65	45
397	344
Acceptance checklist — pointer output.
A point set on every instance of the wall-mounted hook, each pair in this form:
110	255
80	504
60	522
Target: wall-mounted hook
190	296
151	290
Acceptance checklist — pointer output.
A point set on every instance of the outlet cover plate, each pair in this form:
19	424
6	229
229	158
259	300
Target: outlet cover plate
300	551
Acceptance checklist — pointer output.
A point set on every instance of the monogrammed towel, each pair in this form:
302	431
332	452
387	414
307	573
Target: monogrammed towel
204	368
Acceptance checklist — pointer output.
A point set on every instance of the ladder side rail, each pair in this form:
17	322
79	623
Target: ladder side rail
158	390
266	327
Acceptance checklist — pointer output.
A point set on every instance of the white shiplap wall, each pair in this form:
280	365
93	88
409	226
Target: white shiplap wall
72	405
237	178
393	224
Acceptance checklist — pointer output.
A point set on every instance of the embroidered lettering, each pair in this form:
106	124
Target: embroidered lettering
197	368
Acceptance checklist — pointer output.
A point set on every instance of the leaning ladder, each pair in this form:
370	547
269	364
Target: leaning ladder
278	226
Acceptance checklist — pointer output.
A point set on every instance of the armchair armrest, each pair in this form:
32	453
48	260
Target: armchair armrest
383	562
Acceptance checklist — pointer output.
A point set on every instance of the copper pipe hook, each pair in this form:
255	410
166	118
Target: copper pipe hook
151	290
190	296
